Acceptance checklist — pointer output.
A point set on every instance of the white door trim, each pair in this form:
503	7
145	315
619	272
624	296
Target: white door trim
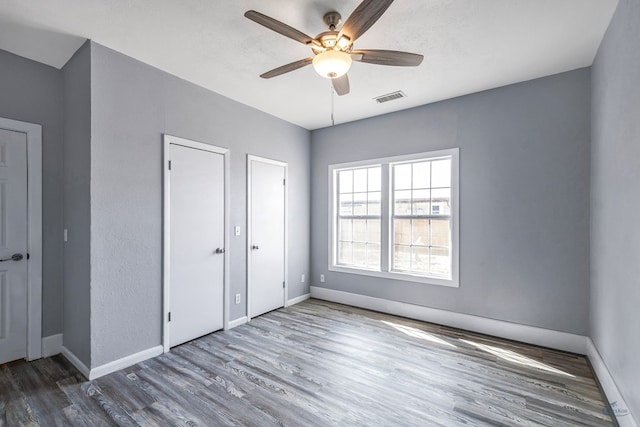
167	141
34	227
250	158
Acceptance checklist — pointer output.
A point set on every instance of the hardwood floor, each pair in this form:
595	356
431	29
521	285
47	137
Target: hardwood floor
317	364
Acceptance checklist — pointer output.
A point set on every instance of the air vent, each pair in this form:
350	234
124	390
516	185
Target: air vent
390	97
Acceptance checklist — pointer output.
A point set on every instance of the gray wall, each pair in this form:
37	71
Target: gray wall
524	199
32	92
132	105
77	203
615	202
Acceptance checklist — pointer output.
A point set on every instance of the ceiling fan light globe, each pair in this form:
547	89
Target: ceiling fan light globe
332	63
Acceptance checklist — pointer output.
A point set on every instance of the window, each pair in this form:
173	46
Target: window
359	217
397	217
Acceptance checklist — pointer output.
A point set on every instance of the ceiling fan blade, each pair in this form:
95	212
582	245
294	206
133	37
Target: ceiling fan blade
387	57
341	85
278	27
286	68
361	19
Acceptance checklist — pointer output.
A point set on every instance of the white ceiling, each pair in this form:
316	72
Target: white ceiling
468	45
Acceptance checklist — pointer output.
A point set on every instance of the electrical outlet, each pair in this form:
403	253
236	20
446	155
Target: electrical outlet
237	298
322	278
302	278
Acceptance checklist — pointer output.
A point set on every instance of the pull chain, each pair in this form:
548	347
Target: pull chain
333	123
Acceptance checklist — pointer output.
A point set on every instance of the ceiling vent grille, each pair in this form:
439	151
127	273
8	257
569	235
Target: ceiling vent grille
390	97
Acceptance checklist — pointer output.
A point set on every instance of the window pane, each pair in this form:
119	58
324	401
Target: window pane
420	259
346	204
422	175
374	203
441	201
359	230
440	261
374	179
359	203
402	257
373	256
440	232
403	202
345	227
344	253
420	202
441	173
420	232
345	181
402	176
402	231
359	254
360	180
373	231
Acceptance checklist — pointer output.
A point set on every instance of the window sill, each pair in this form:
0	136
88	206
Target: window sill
451	283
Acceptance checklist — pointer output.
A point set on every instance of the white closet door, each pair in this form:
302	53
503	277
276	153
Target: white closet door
13	245
267	234
196	297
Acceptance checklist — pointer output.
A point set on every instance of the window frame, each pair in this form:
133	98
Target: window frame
386	217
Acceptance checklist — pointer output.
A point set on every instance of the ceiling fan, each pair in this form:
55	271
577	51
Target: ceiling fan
333	50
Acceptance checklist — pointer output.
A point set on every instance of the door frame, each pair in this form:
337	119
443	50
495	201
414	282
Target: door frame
34	232
250	158
168	140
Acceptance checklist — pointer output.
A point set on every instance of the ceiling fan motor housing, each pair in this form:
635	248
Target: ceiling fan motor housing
329	41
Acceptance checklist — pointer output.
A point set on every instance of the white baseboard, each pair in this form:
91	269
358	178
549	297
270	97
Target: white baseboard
499	328
75	361
297	300
51	345
125	362
617	403
110	367
237	322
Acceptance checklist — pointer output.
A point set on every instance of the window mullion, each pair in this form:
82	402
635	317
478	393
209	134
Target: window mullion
386	218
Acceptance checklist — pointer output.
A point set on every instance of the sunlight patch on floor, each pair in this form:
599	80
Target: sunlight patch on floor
417	333
513	357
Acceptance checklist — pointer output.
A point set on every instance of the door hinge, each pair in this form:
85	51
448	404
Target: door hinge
27	256
284	182
169	316
283	284
169	164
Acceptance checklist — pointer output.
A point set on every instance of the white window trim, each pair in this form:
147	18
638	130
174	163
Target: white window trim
386	273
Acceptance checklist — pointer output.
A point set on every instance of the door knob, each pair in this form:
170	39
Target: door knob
220	250
14	257
255	247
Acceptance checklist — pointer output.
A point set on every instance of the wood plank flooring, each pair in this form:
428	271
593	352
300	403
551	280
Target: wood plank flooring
317	364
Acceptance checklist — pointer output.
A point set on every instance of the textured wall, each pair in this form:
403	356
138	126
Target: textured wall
615	202
133	104
524	199
32	92
77	203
